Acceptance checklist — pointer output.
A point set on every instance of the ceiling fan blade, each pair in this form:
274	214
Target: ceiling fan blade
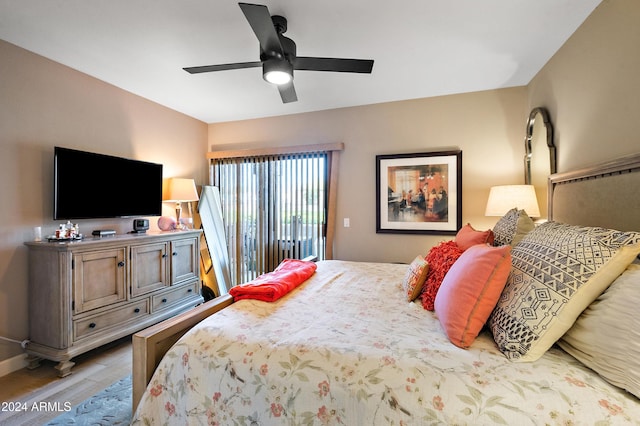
222	67
308	63
262	25
287	93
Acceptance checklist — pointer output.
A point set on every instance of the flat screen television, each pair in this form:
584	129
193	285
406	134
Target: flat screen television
88	185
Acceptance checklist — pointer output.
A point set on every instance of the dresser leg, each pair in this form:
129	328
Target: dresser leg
33	362
64	368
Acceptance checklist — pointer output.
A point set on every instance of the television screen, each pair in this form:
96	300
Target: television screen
90	186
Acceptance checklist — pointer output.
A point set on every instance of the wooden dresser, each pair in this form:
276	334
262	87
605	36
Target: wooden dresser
84	294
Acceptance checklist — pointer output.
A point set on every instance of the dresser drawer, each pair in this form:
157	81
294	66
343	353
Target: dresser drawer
179	294
98	323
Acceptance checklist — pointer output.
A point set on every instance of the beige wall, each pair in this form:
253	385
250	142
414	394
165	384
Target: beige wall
43	104
487	126
591	87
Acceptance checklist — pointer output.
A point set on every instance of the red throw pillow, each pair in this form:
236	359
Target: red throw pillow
440	258
471	290
467	237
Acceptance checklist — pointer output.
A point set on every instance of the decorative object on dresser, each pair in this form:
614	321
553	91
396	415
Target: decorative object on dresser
84	294
166	223
181	191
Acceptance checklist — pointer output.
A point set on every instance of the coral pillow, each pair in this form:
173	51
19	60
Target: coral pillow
470	291
467	237
440	259
414	278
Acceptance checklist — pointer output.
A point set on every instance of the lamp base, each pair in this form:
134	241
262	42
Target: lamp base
179	226
186	223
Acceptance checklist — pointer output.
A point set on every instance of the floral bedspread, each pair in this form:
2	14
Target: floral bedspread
345	348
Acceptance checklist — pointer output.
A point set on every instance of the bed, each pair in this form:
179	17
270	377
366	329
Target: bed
347	347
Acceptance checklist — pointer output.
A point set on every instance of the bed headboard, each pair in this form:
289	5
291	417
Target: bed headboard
606	195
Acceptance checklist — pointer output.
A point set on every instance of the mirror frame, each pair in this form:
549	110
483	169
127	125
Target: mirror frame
527	142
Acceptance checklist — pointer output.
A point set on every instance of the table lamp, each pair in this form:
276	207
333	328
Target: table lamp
181	191
505	197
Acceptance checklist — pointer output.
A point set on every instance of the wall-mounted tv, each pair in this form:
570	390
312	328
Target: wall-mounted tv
88	185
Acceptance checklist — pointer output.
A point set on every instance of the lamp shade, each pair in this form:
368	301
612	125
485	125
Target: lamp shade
179	190
505	197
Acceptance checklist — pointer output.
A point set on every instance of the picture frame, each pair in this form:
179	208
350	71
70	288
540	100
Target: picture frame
419	193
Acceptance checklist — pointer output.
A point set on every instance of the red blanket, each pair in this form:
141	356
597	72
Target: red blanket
273	285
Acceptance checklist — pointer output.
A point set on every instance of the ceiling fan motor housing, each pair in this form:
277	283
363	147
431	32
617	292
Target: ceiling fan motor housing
277	67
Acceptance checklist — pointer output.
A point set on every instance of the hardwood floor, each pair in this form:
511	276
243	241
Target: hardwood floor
41	387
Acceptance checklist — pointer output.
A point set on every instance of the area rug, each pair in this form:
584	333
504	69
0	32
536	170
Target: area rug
111	406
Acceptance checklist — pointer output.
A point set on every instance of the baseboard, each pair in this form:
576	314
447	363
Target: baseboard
13	364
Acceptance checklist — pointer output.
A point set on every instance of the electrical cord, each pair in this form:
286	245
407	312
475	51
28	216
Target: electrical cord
22	343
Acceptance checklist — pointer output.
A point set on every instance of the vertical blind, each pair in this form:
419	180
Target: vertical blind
274	207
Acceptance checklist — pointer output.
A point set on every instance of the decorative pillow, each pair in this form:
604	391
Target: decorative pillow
557	271
467	237
414	278
606	337
470	291
440	259
512	227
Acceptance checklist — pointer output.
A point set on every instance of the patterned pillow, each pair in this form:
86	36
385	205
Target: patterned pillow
414	278
512	227
440	259
557	271
467	236
606	337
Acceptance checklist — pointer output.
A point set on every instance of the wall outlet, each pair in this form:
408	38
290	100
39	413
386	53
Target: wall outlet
347	223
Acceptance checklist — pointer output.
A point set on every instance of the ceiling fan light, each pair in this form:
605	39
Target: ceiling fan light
277	71
277	77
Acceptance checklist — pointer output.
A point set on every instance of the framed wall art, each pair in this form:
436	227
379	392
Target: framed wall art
419	193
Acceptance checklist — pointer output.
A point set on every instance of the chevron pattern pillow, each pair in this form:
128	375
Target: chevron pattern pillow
557	271
512	227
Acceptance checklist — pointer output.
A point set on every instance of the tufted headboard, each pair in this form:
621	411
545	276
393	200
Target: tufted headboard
605	195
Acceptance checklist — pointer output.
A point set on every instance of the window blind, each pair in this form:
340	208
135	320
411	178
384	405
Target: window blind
274	206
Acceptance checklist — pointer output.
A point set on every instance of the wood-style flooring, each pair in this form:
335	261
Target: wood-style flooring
41	387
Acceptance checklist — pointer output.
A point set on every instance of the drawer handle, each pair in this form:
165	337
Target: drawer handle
121	264
190	290
92	325
164	300
136	310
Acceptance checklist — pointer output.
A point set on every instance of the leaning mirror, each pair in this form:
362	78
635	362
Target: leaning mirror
540	154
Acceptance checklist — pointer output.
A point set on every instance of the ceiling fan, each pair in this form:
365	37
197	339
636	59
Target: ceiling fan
278	54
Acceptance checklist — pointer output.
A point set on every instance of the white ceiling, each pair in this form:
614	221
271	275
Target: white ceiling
421	48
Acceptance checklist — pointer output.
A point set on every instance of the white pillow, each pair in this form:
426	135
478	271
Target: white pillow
606	337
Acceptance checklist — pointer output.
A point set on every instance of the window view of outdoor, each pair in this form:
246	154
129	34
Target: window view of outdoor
274	208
